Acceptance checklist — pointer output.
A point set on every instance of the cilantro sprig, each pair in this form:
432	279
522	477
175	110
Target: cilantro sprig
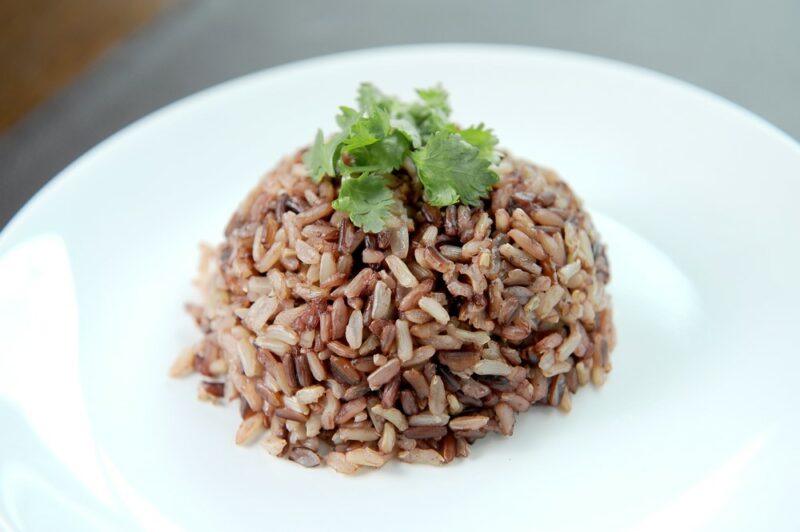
368	200
452	170
383	134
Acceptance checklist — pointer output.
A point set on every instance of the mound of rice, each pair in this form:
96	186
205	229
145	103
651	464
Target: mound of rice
351	349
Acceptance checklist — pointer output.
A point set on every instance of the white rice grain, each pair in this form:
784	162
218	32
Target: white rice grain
405	347
306	253
401	271
366	457
250	429
435	309
421	456
354	333
492	367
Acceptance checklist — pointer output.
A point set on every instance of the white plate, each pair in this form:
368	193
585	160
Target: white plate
696	427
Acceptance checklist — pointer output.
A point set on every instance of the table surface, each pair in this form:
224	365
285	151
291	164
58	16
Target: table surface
744	50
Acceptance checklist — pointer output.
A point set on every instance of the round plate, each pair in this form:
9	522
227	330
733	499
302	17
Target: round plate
695	428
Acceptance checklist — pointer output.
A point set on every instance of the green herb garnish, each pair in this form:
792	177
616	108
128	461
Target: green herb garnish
452	164
452	170
368	200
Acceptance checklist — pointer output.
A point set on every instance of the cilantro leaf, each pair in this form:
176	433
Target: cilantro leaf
409	130
451	169
319	159
374	145
368	200
429	120
370	97
347	117
483	139
368	130
432	114
427	116
436	98
382	157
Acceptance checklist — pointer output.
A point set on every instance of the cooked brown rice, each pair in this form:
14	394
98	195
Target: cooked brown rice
349	349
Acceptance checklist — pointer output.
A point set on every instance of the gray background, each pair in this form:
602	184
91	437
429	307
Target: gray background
747	51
